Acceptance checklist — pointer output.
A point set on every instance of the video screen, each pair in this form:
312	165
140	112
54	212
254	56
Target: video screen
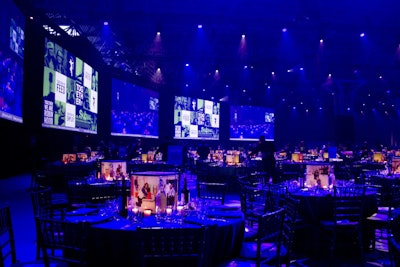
248	123
70	91
12	43
134	110
196	118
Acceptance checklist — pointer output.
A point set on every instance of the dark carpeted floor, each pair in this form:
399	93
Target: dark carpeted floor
15	191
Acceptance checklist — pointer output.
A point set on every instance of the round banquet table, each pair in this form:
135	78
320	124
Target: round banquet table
112	239
316	206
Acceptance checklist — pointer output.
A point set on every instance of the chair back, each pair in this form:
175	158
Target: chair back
77	192
394	202
257	179
276	195
383	189
42	202
69	238
348	203
348	211
202	170
8	253
270	229
173	246
253	202
291	206
211	191
394	239
99	193
43	206
38	181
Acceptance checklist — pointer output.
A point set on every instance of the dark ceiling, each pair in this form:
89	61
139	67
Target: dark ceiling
300	63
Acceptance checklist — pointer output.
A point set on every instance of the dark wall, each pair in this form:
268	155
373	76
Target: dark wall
27	143
344	129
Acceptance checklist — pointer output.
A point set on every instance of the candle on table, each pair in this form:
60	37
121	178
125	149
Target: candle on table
135	211
169	211
147	213
179	209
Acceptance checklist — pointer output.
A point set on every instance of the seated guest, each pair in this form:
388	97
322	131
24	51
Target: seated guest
203	151
163	148
104	149
134	150
88	151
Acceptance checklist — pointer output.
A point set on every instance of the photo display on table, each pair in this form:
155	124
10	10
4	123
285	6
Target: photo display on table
111	170
317	175
69	158
145	186
378	157
396	165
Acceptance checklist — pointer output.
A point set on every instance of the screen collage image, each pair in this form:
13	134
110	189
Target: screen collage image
196	118
12	43
134	110
70	91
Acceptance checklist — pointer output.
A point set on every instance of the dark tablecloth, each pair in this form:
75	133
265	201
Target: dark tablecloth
112	243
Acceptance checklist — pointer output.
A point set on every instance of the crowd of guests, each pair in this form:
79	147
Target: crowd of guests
263	154
126	122
10	85
203	150
358	152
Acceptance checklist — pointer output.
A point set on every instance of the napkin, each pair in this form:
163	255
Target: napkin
92	219
194	221
225	214
81	211
223	208
207	221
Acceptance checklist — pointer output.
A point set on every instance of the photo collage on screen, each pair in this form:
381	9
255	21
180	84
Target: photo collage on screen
12	43
70	91
250	122
196	118
134	110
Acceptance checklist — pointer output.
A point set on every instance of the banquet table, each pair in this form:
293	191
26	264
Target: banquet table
223	173
139	166
59	173
78	169
113	240
317	205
